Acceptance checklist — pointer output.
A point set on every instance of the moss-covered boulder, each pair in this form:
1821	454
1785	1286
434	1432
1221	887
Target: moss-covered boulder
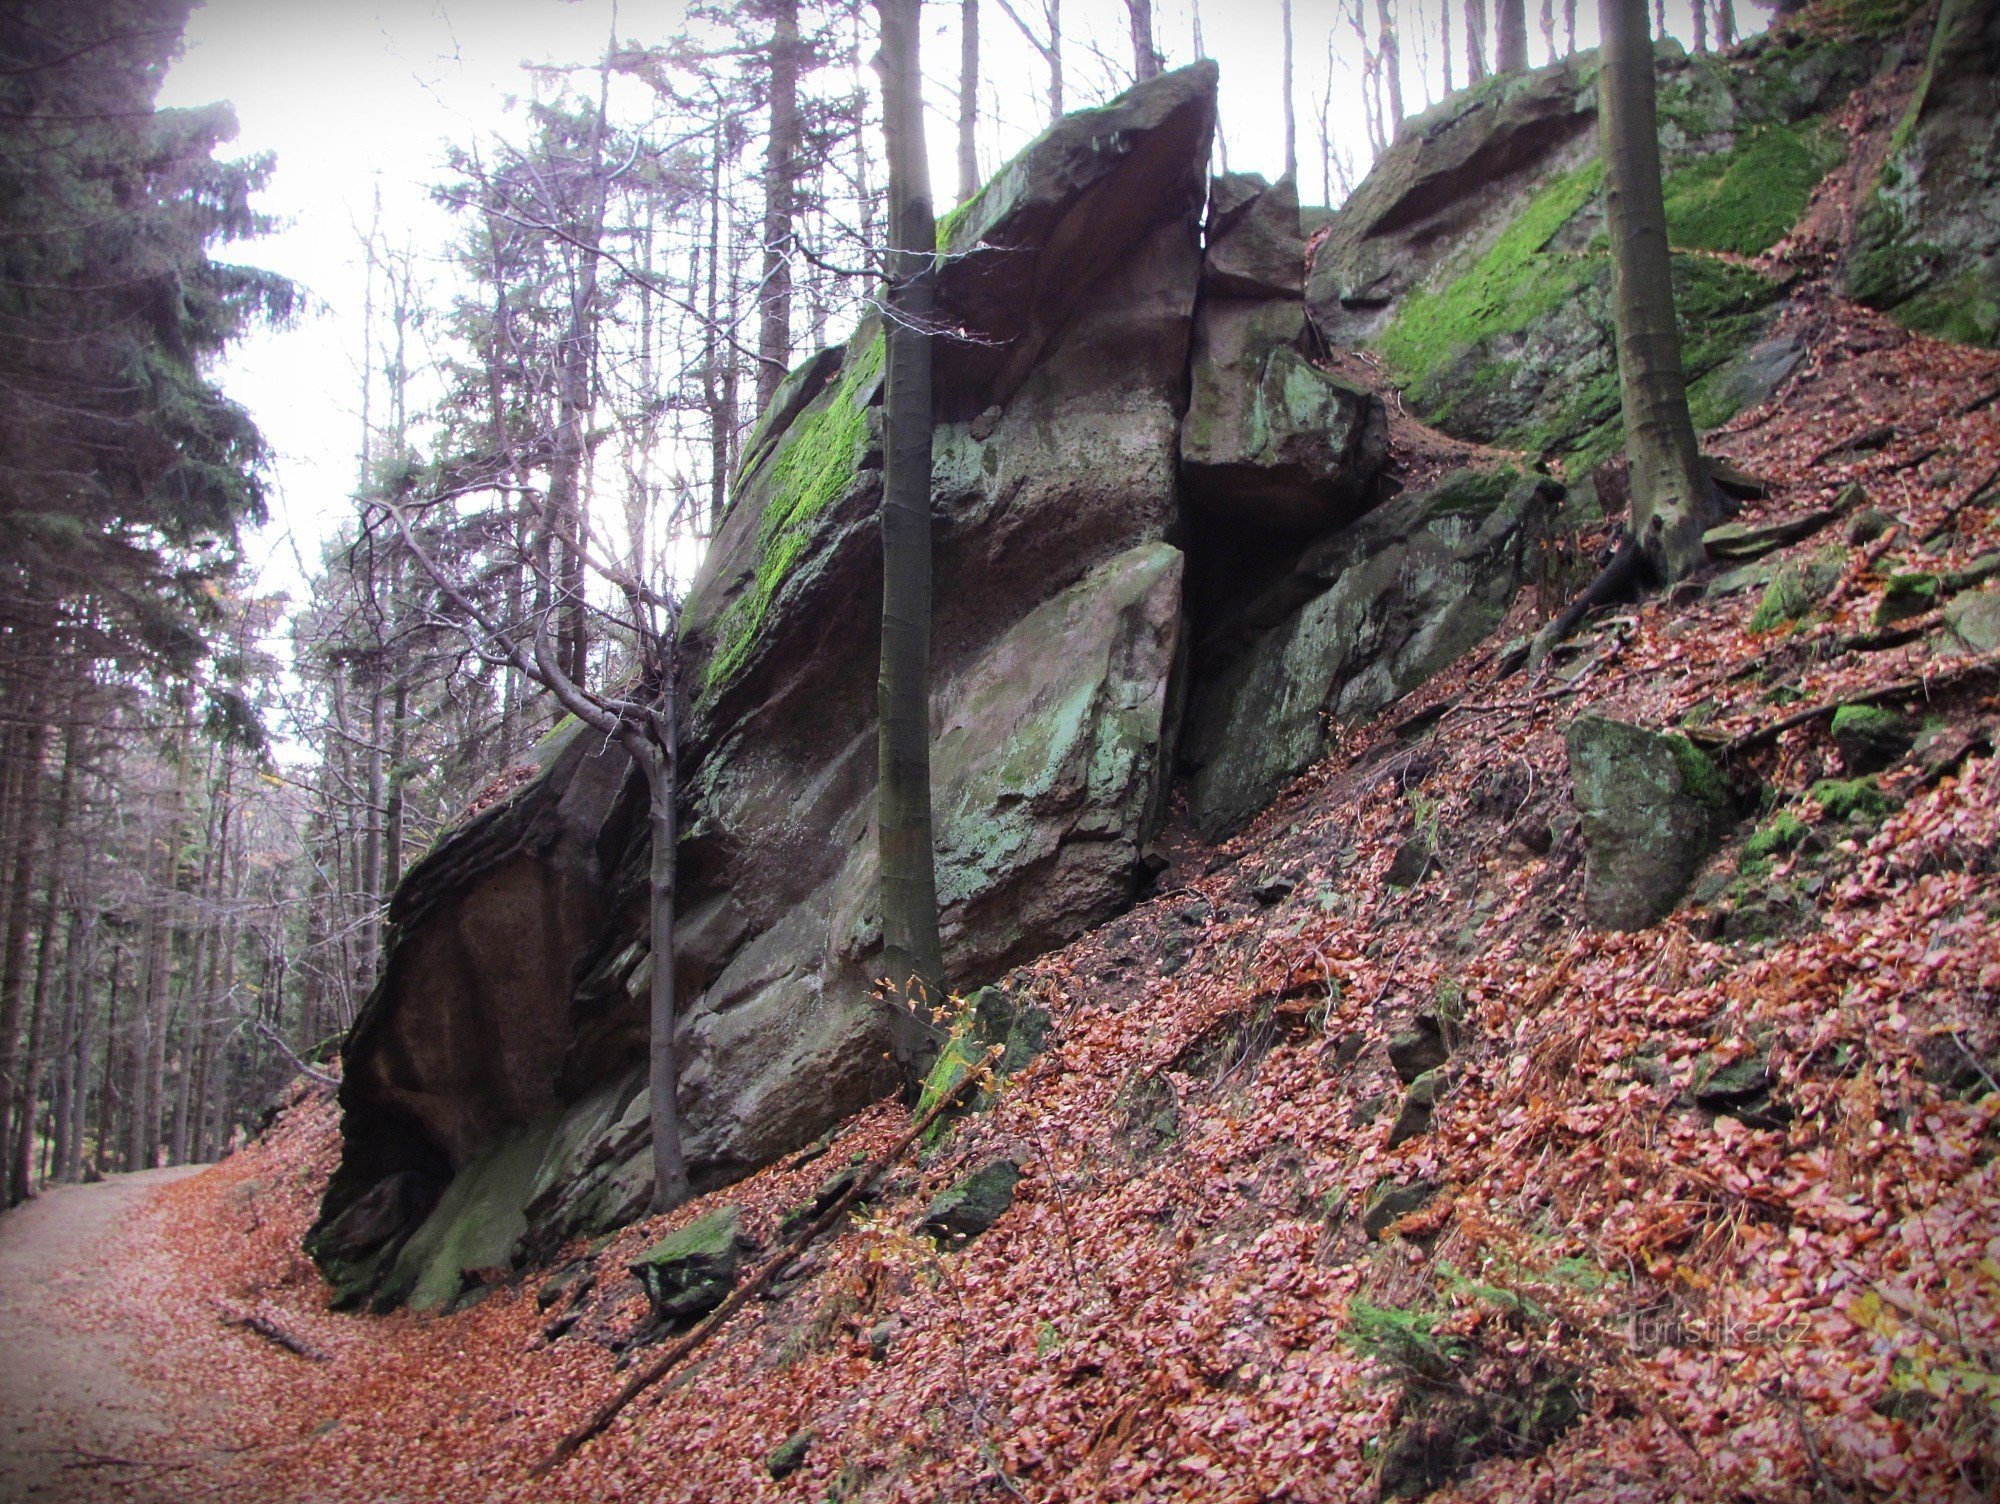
974	1204
1472	259
1927	240
689	1272
1870	737
1973	620
1652	808
1360	618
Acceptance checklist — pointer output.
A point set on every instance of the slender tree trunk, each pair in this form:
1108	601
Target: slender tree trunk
1145	58
1475	40
1569	28
658	761
69	1029
30	748
1055	60
20	1167
912	955
1700	9
1672	497
1285	95
110	1131
781	171
1510	43
1725	24
1392	69
968	99
1548	21
1444	42
395	816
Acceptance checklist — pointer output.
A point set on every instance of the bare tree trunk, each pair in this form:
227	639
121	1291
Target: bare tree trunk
1146	59
1725	24
30	748
968	99
1055	59
1569	28
1700	9
1444	42
781	170
110	1131
394	816
659	763
1510	43
1672	497
1392	69
27	1093
1548	20
912	954
1475	40
1285	93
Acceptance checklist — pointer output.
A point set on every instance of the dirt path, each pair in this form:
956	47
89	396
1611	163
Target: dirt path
73	1408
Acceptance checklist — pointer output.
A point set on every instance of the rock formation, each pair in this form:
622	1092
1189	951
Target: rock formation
1169	543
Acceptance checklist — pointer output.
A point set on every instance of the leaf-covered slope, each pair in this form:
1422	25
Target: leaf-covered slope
1704	1210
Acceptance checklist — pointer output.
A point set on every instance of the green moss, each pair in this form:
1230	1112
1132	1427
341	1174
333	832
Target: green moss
1906	595
1516	282
1786	600
814	466
1746	199
1866	17
1699	774
1782	833
949	222
1866	720
1844	798
1965	311
1471	493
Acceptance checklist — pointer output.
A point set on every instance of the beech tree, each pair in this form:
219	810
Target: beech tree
1510	36
912	953
1673	499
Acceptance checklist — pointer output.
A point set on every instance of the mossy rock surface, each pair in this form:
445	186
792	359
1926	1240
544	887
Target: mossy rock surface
1653	807
1871	737
689	1272
974	1204
1854	798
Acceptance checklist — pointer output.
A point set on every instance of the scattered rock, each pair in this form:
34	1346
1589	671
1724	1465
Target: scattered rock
1652	807
1905	595
1421	1048
1973	620
1739	542
1741	1090
688	1273
1870	737
880	1336
967	1209
1854	798
1273	888
1419	1102
1391	1203
789	1455
1444	1432
1414	861
1255	246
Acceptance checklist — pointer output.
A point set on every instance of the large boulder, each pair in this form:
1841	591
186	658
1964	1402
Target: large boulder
1361	618
1652	808
499	1063
1927	242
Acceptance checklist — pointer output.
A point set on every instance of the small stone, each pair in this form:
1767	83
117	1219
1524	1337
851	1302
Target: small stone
1413	862
1869	525
1906	595
789	1455
689	1272
986	424
1272	888
880	1336
1973	619
1418	1050
1419	1102
975	1203
1740	542
1652	808
1870	737
1391	1203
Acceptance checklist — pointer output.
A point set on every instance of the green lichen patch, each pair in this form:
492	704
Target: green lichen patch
1746	199
814	466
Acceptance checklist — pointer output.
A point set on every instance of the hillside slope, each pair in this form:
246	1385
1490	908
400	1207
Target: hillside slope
1706	1210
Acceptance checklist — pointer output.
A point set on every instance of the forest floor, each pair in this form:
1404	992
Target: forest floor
72	1398
1709	1211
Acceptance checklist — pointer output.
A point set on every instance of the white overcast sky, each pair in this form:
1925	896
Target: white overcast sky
353	96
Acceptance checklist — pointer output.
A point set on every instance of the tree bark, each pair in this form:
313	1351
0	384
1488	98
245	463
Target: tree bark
912	954
1475	40
1444	43
1392	70
658	762
1510	41
1146	60
1673	500
31	747
968	99
781	148
1285	94
1725	25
